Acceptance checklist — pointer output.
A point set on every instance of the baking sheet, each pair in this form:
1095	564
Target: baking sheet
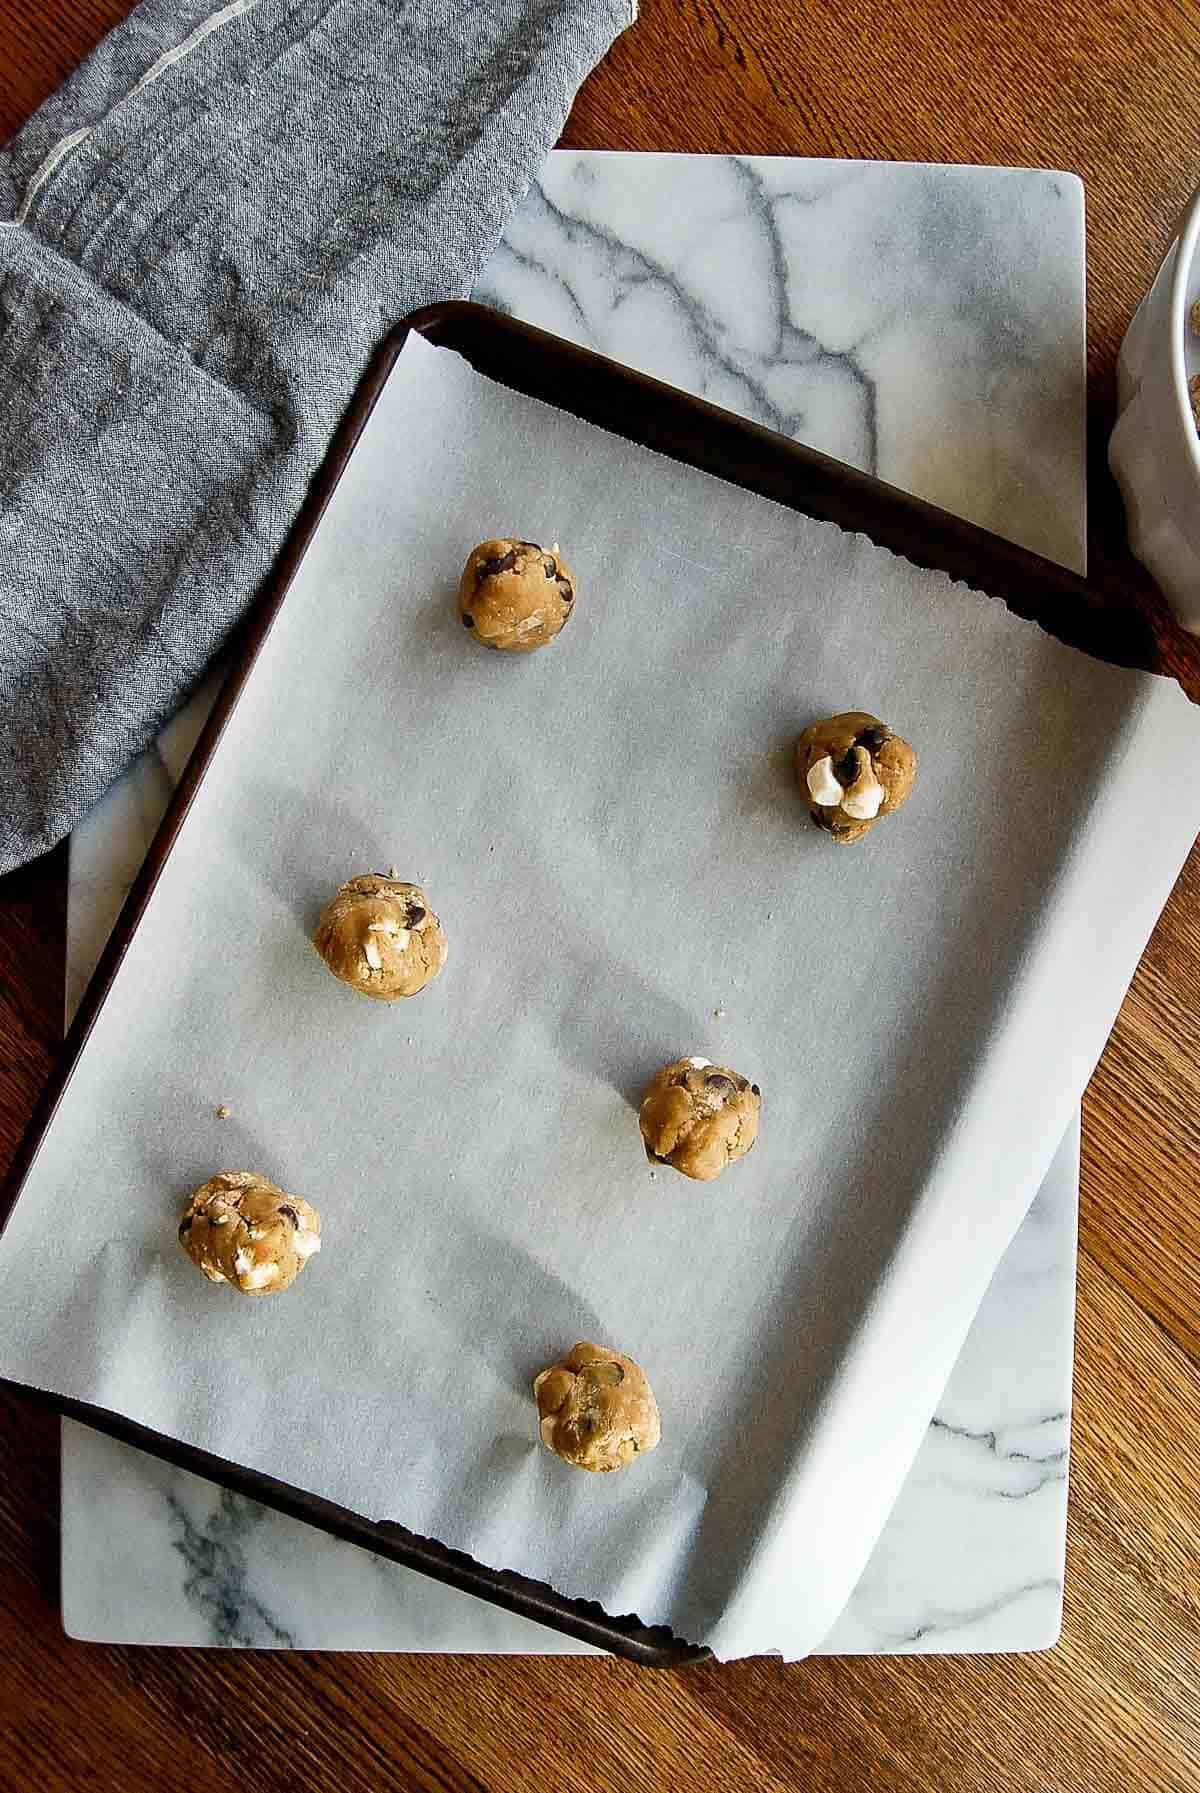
611	833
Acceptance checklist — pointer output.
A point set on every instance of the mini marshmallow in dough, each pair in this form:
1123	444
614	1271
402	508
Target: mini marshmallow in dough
823	787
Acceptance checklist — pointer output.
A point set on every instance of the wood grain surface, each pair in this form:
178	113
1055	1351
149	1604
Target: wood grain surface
1109	89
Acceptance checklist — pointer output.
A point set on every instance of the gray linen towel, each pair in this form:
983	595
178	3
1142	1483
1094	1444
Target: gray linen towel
202	237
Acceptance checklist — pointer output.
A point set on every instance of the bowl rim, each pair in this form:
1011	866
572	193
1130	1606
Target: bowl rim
1185	257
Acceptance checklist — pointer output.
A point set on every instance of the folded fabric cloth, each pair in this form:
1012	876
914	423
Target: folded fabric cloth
203	236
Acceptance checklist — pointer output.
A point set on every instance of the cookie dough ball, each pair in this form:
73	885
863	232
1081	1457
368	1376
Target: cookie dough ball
699	1117
515	595
380	936
242	1229
852	770
596	1408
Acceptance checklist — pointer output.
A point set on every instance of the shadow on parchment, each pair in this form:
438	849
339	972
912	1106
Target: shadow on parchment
766	788
596	1034
549	1317
553	1315
329	843
177	1162
616	1025
440	652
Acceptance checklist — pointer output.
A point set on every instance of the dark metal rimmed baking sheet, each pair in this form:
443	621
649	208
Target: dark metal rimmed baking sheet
670	423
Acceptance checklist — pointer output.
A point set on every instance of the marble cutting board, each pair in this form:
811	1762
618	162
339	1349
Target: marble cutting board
925	323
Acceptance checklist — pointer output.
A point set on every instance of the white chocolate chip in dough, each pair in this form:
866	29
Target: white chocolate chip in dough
306	1243
823	787
863	799
391	930
258	1276
371	955
699	1064
252	1275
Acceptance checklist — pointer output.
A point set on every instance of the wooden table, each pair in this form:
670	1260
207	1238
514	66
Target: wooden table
1109	89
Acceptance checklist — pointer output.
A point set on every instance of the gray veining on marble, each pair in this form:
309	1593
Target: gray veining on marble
972	1554
925	323
217	1554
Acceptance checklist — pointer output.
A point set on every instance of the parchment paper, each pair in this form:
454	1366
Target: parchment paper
611	832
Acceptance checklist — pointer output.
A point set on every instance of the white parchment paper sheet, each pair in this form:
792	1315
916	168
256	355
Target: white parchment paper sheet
611	832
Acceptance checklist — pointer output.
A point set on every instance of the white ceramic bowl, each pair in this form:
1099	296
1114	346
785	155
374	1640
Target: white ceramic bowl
1154	451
